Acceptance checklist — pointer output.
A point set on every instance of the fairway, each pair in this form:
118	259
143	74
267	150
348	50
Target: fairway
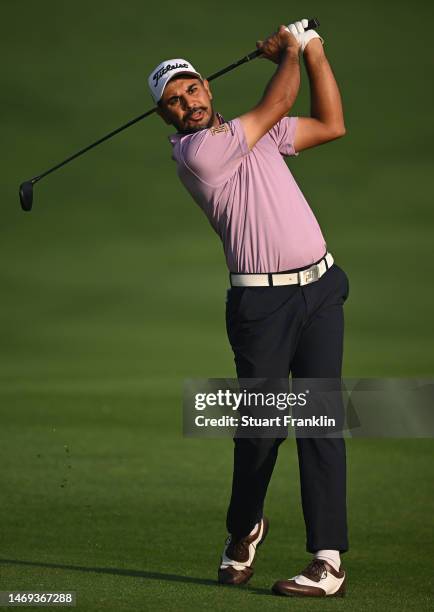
113	292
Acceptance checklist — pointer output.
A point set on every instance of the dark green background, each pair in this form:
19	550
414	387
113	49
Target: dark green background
113	291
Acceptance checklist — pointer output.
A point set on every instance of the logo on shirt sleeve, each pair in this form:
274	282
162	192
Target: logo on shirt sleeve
221	129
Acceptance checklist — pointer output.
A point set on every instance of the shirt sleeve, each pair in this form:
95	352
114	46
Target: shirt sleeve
213	155
283	133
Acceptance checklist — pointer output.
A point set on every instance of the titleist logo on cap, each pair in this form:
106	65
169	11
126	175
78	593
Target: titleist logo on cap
160	73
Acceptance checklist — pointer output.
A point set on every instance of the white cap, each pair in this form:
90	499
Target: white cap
165	71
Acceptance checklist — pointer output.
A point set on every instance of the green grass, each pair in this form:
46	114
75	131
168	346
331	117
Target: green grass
113	292
103	496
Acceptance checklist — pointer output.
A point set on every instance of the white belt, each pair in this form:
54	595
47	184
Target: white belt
304	277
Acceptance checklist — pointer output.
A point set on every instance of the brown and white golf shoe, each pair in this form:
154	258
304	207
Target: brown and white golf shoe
238	555
319	579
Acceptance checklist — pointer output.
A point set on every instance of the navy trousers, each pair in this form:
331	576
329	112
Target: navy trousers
274	332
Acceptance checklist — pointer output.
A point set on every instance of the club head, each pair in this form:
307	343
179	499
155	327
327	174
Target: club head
26	195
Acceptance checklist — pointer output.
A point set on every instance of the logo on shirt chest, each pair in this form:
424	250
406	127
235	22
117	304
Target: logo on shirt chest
221	129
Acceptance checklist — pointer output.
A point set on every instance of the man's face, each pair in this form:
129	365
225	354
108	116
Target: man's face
186	104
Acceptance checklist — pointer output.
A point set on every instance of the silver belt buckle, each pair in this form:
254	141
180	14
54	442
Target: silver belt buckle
309	276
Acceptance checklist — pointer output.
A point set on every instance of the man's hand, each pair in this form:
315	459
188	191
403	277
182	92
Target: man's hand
293	37
277	44
303	36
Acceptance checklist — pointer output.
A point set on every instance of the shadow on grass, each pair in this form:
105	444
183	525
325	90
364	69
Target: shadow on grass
133	573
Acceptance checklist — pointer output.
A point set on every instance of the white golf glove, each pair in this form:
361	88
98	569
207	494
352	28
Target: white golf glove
303	37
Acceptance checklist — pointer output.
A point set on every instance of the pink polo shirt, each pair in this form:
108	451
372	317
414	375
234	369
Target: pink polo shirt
250	197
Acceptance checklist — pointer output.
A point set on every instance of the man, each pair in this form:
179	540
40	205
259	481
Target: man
285	306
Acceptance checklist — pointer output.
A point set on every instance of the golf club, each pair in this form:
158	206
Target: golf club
26	188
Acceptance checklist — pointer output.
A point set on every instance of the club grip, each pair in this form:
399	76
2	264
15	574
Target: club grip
312	24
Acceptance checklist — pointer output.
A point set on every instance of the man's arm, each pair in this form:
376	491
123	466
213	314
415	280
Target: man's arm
281	91
327	118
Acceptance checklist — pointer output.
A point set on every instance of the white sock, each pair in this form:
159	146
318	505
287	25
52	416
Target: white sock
331	556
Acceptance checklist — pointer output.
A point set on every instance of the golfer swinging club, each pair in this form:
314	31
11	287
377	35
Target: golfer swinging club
284	310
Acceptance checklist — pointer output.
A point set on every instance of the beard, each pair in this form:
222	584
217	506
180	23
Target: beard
198	128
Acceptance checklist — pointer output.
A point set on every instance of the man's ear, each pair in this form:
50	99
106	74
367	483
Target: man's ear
162	114
207	88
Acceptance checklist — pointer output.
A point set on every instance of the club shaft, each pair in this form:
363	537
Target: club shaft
94	144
